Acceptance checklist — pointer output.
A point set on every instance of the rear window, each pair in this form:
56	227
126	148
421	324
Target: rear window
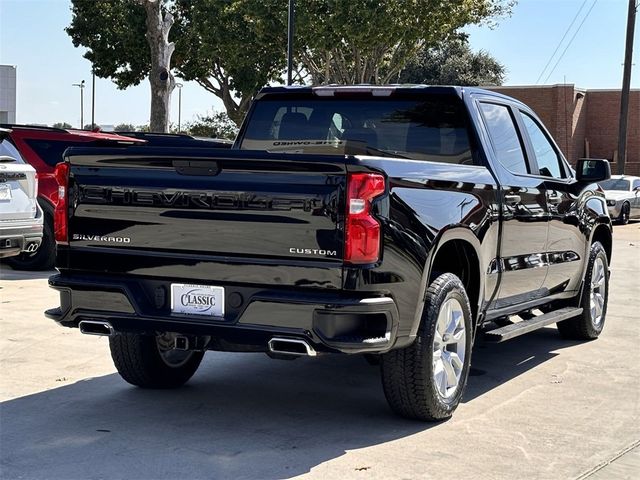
432	129
9	150
50	151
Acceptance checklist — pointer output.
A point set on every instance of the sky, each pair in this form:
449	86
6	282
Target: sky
32	37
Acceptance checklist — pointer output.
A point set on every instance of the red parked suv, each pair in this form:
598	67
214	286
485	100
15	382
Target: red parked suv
43	147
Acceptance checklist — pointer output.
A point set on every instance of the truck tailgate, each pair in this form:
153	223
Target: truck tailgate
249	217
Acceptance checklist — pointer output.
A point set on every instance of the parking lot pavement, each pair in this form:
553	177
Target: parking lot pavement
536	407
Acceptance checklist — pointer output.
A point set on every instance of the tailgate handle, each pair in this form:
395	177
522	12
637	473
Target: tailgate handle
196	167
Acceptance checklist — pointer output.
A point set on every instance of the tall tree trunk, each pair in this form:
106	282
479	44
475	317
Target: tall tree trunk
160	78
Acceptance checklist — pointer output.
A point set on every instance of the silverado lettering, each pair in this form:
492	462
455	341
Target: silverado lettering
100	238
445	213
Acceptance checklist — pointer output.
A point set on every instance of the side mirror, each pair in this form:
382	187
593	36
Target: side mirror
592	170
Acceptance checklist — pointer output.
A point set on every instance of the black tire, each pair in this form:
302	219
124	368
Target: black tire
139	362
588	326
44	258
408	373
625	211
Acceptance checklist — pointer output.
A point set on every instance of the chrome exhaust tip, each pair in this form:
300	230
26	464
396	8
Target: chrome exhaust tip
32	247
95	327
291	346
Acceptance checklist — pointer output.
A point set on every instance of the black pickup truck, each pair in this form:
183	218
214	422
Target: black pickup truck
399	222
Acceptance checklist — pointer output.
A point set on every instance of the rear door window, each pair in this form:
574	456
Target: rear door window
504	137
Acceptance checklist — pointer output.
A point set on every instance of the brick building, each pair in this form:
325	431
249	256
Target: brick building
584	123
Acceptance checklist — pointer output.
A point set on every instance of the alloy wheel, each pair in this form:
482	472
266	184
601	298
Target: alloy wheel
598	291
449	348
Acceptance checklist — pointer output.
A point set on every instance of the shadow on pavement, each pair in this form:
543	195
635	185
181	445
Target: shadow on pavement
242	416
8	273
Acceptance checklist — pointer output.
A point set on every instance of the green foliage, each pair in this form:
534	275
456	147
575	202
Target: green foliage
231	48
234	47
143	128
216	125
453	63
62	125
370	41
113	31
124	127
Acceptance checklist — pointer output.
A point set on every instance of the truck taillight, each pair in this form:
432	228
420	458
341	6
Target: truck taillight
60	213
362	230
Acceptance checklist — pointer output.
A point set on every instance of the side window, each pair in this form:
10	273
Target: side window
504	136
636	184
546	155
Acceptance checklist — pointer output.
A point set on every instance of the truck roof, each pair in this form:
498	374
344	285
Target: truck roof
381	90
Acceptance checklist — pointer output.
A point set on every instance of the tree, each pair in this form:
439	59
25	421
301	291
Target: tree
453	63
64	125
127	41
124	127
365	41
231	48
235	47
216	125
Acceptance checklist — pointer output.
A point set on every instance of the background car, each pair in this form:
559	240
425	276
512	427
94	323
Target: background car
20	216
623	197
42	148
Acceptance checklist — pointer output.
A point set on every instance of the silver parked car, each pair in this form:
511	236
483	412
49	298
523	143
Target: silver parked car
623	197
21	217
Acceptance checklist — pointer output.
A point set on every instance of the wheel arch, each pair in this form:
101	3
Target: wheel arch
602	233
456	251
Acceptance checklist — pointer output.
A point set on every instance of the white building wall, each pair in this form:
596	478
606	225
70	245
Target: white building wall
8	93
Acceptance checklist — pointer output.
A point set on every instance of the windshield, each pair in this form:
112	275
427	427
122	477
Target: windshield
616	184
433	128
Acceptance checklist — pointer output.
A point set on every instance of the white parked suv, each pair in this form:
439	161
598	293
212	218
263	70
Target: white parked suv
21	217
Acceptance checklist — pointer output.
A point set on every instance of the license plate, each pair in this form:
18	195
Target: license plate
5	192
202	300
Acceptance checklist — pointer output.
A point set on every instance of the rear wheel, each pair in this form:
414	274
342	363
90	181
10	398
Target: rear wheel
595	291
44	257
623	219
426	380
150	361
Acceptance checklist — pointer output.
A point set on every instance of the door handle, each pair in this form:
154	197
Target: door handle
512	199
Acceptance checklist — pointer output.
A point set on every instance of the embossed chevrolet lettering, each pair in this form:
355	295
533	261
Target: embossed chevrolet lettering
194	199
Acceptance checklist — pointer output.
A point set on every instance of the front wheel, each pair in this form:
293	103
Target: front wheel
625	211
426	380
595	291
149	361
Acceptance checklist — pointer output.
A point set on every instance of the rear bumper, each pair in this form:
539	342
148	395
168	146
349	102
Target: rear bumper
20	236
329	321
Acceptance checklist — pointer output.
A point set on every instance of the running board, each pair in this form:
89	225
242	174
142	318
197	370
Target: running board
525	326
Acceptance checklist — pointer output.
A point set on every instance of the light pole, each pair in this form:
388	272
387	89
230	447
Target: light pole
179	87
81	87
